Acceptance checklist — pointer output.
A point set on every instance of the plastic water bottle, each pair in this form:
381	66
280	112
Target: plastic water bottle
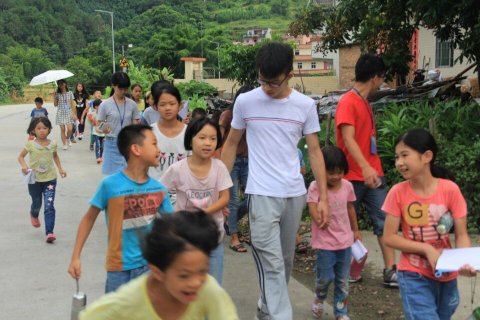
445	223
475	314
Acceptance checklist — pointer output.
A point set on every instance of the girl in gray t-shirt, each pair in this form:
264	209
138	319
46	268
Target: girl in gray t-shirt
115	113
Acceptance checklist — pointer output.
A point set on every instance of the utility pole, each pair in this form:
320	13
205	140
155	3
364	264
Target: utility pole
113	37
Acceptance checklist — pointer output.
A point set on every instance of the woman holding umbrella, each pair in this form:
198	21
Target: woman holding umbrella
64	99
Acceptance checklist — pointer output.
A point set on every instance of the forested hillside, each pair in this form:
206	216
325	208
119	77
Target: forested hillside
36	35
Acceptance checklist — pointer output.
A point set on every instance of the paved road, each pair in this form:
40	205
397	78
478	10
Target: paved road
34	283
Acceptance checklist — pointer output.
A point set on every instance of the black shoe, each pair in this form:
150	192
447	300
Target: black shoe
390	277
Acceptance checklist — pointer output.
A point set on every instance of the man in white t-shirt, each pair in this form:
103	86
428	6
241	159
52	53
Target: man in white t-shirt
276	117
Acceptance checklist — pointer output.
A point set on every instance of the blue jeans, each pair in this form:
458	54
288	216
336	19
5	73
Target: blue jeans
373	200
425	298
215	263
98	146
239	174
117	278
47	189
333	266
91	135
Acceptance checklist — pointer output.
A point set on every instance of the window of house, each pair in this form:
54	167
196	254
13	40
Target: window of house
314	65
299	65
297	52
444	54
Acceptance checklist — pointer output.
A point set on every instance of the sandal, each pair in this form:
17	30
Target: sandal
238	248
301	247
245	239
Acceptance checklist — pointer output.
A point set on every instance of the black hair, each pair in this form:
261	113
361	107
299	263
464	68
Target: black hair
83	95
38	100
335	159
97	102
130	135
195	126
422	141
368	66
58	85
161	87
171	235
133	87
136	85
121	80
274	59
158	85
199	112
46	122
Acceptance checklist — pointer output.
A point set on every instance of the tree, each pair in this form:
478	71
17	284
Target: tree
388	26
82	69
12	76
279	7
238	63
458	21
33	61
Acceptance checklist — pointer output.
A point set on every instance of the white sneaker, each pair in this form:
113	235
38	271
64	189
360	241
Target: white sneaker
69	143
64	147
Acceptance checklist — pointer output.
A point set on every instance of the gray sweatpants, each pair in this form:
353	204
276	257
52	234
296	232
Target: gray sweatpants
273	226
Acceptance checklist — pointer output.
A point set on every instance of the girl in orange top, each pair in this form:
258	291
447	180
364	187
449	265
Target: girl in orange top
417	204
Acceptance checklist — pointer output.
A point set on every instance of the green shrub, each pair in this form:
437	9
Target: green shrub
456	130
193	87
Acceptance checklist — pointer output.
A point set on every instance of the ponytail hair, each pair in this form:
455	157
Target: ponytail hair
422	141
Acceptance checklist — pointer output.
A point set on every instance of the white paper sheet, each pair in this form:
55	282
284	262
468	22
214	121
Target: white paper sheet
29	178
184	110
358	250
454	259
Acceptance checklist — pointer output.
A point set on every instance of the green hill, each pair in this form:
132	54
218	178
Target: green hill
36	35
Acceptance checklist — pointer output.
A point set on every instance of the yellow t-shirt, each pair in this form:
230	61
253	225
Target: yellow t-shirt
141	105
131	302
41	160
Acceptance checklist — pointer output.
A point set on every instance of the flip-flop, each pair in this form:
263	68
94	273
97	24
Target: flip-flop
245	239
301	247
238	248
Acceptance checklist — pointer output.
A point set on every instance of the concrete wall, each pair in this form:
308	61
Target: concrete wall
313	85
348	56
427	49
332	55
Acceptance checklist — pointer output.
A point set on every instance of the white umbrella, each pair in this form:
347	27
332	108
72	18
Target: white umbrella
50	76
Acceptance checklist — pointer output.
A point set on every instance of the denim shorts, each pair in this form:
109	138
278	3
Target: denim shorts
116	279
424	298
113	161
373	200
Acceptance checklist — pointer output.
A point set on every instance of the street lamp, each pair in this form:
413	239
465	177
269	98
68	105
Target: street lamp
218	57
113	38
123	48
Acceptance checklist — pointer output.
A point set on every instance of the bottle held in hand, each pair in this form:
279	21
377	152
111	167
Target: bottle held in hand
445	223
